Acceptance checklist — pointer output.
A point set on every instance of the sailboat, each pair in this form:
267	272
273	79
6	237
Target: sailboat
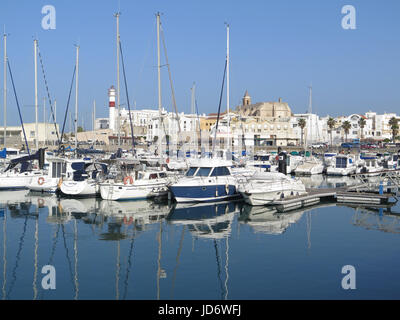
20	171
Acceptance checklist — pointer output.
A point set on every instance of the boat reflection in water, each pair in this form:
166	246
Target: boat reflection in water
39	230
136	215
15	196
339	182
314	181
205	220
380	218
270	221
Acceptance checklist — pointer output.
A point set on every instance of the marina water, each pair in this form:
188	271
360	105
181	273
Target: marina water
158	250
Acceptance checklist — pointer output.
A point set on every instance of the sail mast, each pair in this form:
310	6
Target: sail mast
36	97
227	91
310	117
45	122
193	119
5	88
76	98
159	86
118	85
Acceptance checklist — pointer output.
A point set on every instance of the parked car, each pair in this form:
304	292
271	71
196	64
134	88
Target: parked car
318	145
390	144
347	145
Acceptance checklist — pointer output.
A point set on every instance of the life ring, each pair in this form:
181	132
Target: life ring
40	203
167	161
128	222
128	178
40	181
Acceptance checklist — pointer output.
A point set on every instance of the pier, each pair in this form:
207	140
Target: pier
339	195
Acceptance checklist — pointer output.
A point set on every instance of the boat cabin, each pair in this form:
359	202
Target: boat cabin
343	162
150	175
208	171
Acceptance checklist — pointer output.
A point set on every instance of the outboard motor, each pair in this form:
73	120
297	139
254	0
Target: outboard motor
282	162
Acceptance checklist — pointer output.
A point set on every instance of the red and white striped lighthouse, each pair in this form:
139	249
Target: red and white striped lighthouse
111	105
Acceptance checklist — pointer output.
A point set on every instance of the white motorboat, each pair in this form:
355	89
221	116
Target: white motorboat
392	162
266	187
262	161
342	165
206	180
140	185
310	166
49	182
83	180
369	164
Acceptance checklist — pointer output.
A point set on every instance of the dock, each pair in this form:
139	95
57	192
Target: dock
340	195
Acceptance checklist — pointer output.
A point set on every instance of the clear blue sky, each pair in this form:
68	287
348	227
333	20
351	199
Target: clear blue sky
277	49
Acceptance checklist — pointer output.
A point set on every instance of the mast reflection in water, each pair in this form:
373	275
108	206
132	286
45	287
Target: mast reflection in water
159	250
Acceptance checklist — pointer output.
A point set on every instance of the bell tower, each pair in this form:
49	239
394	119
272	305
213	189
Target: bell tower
246	99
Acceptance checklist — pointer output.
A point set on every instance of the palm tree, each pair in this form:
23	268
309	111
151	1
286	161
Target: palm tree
394	126
346	125
302	124
331	124
362	122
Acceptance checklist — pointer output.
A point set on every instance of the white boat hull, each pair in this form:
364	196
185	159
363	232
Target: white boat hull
45	185
10	180
80	188
136	191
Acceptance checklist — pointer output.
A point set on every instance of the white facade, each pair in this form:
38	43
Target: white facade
315	130
46	132
376	127
189	125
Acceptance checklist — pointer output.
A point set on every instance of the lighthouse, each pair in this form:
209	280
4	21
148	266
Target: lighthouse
111	107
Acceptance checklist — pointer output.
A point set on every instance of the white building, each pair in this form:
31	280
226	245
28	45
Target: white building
47	133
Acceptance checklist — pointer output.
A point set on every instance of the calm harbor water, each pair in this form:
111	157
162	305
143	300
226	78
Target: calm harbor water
146	250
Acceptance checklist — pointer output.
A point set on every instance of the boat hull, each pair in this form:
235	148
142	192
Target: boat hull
119	191
16	181
79	189
48	185
205	193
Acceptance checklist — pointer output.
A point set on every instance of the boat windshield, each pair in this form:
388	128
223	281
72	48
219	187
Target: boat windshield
191	171
220	171
203	172
341	162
